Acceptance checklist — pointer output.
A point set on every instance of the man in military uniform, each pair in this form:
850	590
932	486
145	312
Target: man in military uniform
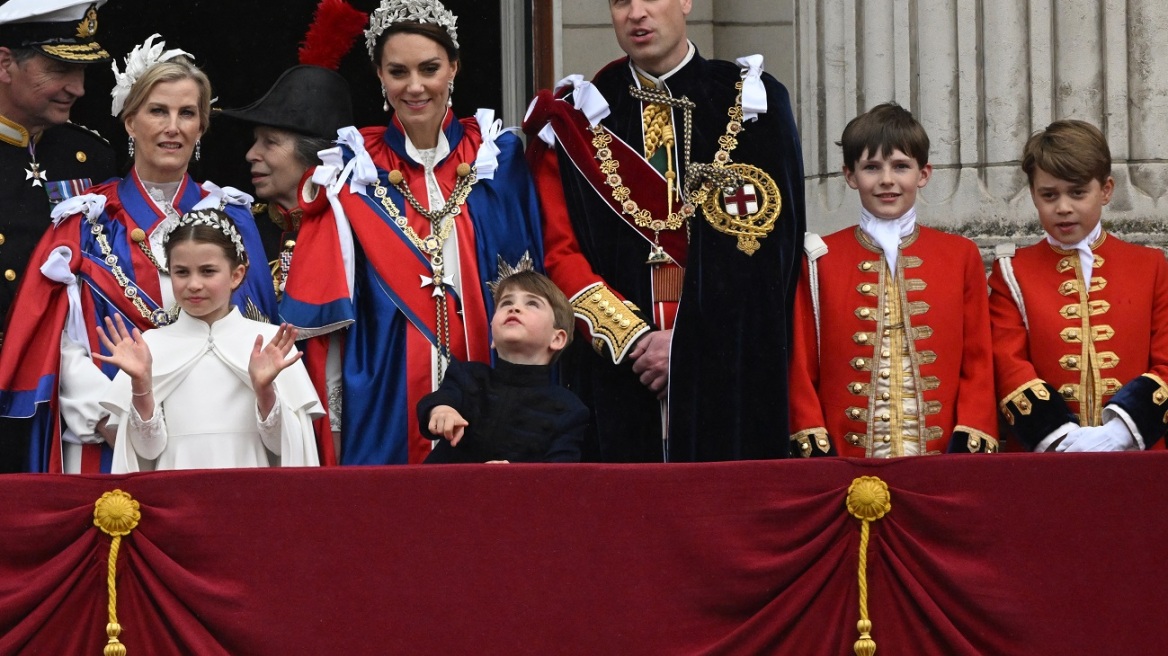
45	46
682	181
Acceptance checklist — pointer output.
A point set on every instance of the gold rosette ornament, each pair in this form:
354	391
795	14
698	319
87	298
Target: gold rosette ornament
116	514
868	500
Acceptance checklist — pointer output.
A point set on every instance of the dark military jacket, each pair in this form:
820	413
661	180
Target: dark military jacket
64	162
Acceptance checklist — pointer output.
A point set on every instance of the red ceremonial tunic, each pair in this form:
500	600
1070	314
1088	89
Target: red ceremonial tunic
839	385
1085	344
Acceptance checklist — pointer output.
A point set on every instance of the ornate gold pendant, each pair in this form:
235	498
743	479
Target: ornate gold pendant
748	212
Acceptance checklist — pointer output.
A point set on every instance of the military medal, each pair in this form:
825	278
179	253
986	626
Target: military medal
34	172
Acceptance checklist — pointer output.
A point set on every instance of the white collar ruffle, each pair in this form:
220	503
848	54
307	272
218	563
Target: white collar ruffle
1086	257
887	233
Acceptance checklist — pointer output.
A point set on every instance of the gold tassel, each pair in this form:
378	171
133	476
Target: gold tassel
115	513
868	500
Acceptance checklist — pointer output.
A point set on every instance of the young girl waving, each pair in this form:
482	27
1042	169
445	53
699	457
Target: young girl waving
213	389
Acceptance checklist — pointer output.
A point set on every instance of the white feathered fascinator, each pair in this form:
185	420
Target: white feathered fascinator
140	59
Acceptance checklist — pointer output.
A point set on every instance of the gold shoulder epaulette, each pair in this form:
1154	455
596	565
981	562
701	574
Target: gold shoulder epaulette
612	322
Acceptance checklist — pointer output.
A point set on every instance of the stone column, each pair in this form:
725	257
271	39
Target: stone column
981	77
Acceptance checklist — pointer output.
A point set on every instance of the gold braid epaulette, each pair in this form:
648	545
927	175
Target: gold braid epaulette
613	323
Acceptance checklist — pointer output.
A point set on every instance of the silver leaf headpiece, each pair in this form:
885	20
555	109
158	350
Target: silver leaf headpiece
216	219
409	11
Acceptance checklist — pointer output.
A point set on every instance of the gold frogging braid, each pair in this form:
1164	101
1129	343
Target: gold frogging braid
868	500
116	514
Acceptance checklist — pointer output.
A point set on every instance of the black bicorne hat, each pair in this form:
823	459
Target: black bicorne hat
309	100
65	30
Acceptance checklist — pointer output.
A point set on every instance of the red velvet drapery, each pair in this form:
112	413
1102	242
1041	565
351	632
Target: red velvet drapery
1009	554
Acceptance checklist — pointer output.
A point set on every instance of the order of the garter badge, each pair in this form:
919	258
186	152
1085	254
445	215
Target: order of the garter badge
747	212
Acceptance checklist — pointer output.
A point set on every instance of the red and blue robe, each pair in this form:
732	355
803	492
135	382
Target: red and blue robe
31	360
389	316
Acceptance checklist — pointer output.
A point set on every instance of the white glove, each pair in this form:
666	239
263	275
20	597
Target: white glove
1111	436
1056	436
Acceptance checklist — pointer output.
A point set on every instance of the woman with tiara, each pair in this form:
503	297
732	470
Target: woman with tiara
389	277
103	257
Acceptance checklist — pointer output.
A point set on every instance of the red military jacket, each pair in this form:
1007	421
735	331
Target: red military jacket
1060	348
940	280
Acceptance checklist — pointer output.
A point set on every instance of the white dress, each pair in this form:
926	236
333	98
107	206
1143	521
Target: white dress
205	414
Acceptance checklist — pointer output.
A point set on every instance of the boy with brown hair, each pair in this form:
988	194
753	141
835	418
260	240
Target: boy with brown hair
892	349
512	412
1080	319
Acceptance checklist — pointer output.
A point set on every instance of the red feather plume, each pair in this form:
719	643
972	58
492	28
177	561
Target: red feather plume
335	25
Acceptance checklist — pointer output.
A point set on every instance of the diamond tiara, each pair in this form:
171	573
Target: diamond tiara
409	11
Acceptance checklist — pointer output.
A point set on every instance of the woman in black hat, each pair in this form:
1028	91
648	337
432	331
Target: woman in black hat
296	119
391	280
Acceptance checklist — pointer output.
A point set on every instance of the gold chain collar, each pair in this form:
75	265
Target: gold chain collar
441	225
716	174
441	221
711	175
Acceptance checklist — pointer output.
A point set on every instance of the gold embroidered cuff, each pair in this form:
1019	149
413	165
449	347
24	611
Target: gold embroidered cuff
1016	401
978	442
1161	394
805	442
613	323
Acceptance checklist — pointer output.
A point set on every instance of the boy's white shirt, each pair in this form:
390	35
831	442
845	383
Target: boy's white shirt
887	233
1086	257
